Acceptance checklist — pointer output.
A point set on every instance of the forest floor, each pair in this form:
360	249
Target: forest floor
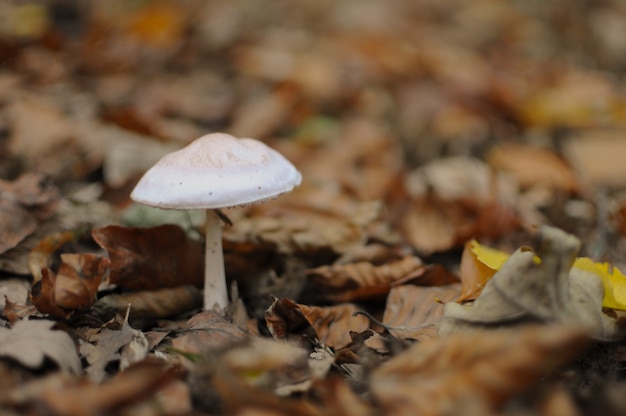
454	248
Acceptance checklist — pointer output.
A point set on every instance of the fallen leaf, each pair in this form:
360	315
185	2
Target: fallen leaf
29	342
472	373
333	324
207	331
534	166
548	289
108	348
613	280
596	156
363	280
74	286
134	253
152	304
454	199
478	264
413	312
60	394
26	202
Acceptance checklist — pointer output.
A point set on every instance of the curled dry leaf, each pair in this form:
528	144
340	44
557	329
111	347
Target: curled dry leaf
73	286
162	303
29	342
362	280
41	256
546	288
413	312
151	258
331	325
474	273
472	373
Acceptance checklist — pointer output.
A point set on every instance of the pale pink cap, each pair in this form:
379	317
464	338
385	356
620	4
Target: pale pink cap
216	171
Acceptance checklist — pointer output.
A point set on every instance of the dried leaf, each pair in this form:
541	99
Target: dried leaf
455	199
534	166
28	342
412	312
78	397
74	286
597	155
548	289
333	324
163	303
78	279
207	331
42	295
16	223
478	264
41	256
122	347
472	373
151	258
362	280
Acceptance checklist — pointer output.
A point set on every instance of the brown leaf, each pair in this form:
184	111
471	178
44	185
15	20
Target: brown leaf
472	373
42	294
597	155
362	280
207	331
533	166
78	397
162	303
41	256
122	347
78	279
333	324
474	274
74	286
455	199
16	223
32	190
412	312
151	258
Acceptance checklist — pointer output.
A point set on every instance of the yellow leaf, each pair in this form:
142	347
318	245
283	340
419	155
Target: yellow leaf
613	280
488	256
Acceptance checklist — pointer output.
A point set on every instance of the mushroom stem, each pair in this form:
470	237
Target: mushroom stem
215	292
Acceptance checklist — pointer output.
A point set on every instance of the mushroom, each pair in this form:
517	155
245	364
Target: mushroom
216	171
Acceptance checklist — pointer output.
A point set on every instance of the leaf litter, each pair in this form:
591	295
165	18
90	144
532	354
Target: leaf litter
420	129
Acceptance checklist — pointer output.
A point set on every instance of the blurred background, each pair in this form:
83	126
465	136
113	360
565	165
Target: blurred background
461	119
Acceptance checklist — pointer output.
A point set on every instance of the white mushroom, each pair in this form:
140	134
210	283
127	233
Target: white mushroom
216	171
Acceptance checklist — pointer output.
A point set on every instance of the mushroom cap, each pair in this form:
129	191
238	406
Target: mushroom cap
216	171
